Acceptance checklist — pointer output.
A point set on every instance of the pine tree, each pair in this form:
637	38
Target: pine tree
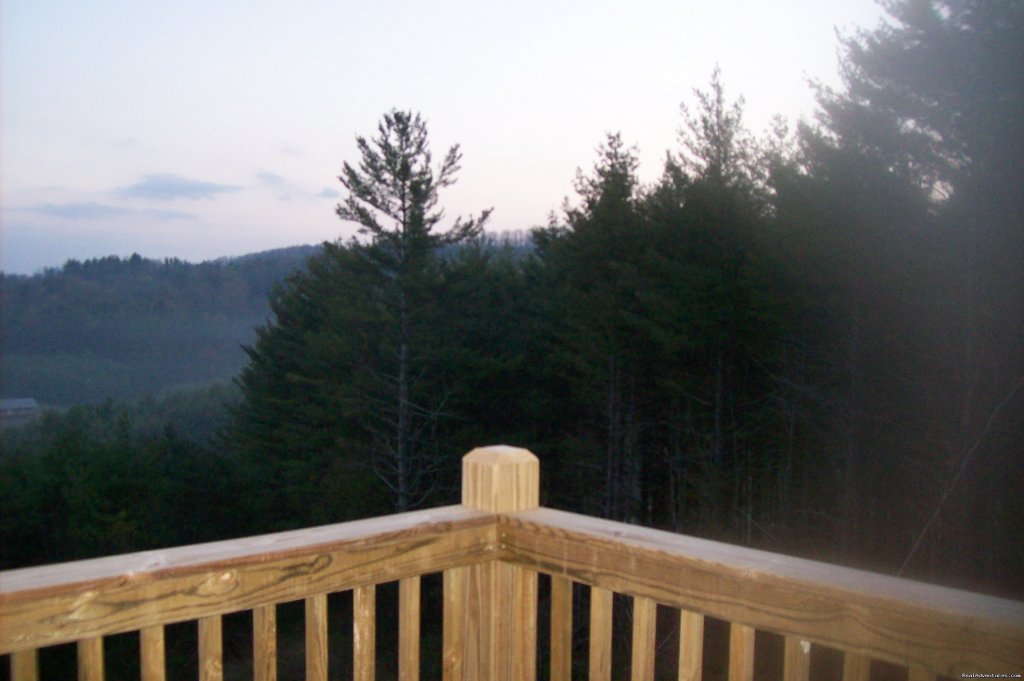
349	373
934	97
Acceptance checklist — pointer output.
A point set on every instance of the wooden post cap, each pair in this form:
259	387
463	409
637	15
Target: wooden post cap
499	479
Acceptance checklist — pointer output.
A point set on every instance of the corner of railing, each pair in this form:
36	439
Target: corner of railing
496	638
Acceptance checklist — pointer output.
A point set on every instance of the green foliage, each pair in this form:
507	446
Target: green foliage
806	349
109	479
905	214
353	372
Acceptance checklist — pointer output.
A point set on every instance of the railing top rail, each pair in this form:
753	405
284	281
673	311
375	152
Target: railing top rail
65	602
903	621
226	552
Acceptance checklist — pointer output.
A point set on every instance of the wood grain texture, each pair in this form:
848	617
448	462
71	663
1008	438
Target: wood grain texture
153	654
522	609
600	634
741	652
316	638
453	645
64	603
364	633
561	629
691	646
500	478
25	666
945	631
90	659
796	664
211	649
856	667
264	643
409	629
645	613
499	626
918	674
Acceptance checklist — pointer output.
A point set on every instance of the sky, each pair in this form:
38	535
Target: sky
210	128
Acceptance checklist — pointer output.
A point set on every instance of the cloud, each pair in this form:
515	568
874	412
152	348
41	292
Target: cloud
168	214
82	211
270	178
104	211
171	187
329	193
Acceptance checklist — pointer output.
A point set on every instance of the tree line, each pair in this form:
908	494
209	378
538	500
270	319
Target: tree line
809	341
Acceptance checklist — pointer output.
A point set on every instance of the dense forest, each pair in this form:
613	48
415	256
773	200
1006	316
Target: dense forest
810	341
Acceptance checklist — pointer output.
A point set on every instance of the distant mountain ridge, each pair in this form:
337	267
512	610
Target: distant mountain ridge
116	328
123	328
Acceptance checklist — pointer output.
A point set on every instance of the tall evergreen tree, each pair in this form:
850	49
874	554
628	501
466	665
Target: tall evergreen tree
349	372
393	196
593	268
716	298
935	96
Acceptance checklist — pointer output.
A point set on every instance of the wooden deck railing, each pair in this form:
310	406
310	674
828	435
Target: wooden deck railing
490	551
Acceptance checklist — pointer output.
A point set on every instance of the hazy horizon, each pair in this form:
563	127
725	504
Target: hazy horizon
198	131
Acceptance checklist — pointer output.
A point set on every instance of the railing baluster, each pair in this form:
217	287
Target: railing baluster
409	629
741	652
364	624
25	665
264	643
523	666
916	673
211	667
645	613
561	628
90	659
856	667
151	643
316	638
691	645
454	623
797	661
600	634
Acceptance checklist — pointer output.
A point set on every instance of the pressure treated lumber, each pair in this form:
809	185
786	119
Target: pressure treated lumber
211	649
856	667
500	626
409	629
943	631
454	623
364	632
561	629
25	666
499	478
71	601
264	643
644	621
90	659
153	654
600	634
797	659
741	652
918	674
691	646
316	638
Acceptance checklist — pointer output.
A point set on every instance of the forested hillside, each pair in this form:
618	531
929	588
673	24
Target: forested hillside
114	328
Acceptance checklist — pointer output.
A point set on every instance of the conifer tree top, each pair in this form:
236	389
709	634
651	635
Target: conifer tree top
395	182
